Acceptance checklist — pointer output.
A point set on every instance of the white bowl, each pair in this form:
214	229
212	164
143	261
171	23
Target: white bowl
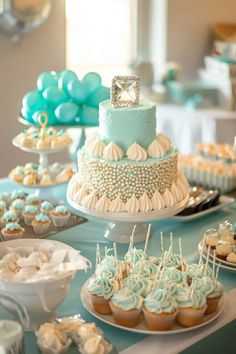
40	298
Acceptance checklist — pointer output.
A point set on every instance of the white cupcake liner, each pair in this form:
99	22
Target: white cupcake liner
6	236
41	228
28	219
60	221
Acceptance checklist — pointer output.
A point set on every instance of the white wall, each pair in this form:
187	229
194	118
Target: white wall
187	30
20	64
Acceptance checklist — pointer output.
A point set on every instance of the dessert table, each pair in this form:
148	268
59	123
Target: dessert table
85	236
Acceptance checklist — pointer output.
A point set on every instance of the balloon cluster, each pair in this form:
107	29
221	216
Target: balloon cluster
65	99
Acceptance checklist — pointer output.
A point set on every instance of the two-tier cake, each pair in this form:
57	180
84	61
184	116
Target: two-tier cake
127	166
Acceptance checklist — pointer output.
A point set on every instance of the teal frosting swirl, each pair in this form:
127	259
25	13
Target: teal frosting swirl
184	298
204	285
42	218
169	286
108	271
140	286
20	170
148	270
101	286
195	270
10	216
174	275
134	255
46	205
31	209
61	209
160	302
31	198
173	261
127	300
18	204
217	289
18	193
11	226
2	205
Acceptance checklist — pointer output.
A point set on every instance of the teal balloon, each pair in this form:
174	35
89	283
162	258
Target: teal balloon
65	77
102	93
66	112
93	80
33	101
55	96
51	116
47	79
78	91
28	115
88	116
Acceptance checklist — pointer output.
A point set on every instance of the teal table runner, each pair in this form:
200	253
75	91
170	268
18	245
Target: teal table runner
84	237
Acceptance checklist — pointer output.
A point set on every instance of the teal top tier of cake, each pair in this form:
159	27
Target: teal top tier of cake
128	125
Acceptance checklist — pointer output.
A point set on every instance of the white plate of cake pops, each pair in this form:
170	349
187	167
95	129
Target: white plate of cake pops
135	264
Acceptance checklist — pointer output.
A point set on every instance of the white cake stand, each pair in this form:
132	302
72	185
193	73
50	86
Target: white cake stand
120	225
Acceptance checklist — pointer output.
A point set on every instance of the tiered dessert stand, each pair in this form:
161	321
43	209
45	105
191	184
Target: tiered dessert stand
120	225
43	191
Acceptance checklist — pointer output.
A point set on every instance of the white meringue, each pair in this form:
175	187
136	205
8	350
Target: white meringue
90	200
103	204
112	152
116	205
176	193
157	201
164	141
132	205
91	137
155	149
74	185
145	203
79	196
183	179
95	148
168	198
181	188
136	153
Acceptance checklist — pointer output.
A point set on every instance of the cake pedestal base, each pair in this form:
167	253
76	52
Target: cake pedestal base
120	232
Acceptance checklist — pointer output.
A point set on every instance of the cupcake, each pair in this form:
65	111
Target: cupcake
46	180
29	214
9	216
160	310
6	197
126	307
101	290
214	297
18	194
60	216
18	206
2	207
46	207
196	270
191	305
141	286
33	199
212	237
12	230
30	180
223	248
41	224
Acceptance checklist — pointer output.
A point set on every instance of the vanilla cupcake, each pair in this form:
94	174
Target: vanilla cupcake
213	298
29	214
101	290
141	286
41	224
18	194
33	199
46	180
16	175
46	207
18	206
126	307
2	207
223	248
192	306
12	230
160	310
212	237
9	217
60	216
30	180
231	257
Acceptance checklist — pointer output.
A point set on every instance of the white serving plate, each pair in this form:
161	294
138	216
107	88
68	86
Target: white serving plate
15	142
223	264
224	200
141	327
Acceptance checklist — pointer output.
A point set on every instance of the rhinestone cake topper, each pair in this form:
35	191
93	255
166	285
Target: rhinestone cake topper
125	91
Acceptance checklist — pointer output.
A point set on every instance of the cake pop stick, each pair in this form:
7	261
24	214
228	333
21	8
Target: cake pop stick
202	249
147	238
98	257
132	237
214	263
207	260
217	273
192	288
162	243
171	243
140	268
181	254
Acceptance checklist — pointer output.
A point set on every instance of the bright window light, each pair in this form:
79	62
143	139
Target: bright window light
100	36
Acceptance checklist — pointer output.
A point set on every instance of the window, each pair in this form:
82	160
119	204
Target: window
101	36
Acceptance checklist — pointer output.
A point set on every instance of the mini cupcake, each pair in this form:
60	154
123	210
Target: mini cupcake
41	224
2	207
30	180
214	297
33	199
192	306
46	180
126	307
29	214
6	197
18	206
160	310
212	237
18	194
195	270
141	286
60	216
12	230
8	217
223	248
46	207
101	290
